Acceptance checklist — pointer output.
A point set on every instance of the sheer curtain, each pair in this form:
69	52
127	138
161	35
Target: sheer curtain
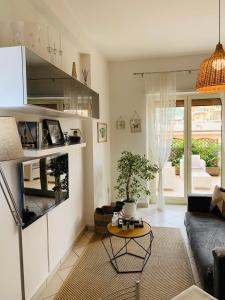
160	91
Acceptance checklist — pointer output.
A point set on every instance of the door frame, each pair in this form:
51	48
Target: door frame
188	97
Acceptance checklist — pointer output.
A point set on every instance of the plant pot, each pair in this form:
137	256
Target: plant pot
213	171
177	170
129	209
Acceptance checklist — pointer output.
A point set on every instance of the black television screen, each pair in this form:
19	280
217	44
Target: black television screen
45	184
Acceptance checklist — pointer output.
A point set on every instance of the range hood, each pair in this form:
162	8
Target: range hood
28	82
50	87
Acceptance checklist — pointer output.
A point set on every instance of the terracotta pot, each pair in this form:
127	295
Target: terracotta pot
129	209
213	171
177	170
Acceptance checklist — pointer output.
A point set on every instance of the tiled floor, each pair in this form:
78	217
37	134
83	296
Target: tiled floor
173	216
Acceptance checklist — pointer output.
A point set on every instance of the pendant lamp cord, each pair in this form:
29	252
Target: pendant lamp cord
219	21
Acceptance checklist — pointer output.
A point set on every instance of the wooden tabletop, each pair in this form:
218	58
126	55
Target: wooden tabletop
130	233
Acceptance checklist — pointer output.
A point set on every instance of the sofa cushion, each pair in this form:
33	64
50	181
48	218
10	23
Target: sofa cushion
206	231
218	199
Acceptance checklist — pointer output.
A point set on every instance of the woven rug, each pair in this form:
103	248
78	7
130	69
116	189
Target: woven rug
166	274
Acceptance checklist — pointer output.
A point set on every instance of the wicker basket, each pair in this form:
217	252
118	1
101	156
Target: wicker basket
102	220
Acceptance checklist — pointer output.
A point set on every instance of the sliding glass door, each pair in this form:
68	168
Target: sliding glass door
195	163
206	131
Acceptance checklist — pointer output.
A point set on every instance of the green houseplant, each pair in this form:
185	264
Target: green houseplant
59	169
134	170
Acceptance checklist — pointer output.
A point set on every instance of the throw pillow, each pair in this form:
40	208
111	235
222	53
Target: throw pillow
218	199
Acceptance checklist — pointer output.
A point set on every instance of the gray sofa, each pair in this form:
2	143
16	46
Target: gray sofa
206	234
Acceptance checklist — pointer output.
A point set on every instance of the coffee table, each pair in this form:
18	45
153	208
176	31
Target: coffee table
129	235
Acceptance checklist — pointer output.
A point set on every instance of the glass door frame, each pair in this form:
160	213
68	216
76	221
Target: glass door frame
187	98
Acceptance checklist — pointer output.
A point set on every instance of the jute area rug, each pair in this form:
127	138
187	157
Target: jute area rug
166	274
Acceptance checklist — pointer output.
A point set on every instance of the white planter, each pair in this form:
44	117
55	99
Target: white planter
129	209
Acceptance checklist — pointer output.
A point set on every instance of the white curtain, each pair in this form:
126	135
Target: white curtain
160	91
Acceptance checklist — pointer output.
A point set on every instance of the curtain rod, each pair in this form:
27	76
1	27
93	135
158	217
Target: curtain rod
176	71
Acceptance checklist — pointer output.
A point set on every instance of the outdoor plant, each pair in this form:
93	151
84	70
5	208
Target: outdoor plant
134	171
209	152
59	166
177	151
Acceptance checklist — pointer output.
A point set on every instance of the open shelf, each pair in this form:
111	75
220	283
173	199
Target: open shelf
51	150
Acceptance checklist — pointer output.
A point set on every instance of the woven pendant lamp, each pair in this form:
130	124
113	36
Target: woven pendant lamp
211	76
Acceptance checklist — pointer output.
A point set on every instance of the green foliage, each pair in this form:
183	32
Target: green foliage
134	171
177	151
59	166
208	152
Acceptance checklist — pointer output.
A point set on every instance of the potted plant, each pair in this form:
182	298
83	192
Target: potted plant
176	153
134	171
59	169
209	152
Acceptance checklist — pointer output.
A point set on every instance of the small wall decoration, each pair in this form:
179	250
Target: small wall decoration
120	123
102	132
29	134
55	134
74	71
135	123
85	73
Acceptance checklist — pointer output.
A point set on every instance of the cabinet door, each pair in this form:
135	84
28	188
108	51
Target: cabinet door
13	72
10	286
35	253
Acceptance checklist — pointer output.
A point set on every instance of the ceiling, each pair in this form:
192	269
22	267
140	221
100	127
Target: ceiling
133	29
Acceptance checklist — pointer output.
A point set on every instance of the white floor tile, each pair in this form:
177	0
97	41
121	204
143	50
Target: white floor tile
83	241
63	273
79	251
52	288
70	261
89	234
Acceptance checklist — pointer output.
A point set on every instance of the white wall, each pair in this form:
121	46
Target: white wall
90	173
127	96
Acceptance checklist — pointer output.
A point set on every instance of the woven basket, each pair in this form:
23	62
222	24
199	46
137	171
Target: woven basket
102	220
211	76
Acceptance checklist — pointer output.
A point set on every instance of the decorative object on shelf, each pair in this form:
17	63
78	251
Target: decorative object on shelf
76	137
74	71
134	171
11	149
52	49
211	76
66	137
59	170
135	123
44	143
85	73
55	134
29	134
120	123
131	223
102	132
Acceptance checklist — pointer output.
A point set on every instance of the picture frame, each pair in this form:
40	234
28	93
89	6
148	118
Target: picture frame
101	132
55	134
29	134
120	123
135	125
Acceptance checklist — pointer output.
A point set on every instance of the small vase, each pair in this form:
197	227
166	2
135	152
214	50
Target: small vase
129	209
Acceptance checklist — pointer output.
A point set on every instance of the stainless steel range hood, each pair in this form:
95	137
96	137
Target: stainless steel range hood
50	87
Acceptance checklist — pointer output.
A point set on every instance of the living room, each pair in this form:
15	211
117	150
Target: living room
116	60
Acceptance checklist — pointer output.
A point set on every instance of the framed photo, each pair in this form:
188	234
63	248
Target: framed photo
29	134
55	134
135	125
120	123
102	132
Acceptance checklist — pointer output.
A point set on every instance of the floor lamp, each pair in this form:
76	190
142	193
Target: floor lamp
11	149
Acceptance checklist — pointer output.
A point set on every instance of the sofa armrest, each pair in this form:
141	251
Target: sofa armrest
219	272
199	203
